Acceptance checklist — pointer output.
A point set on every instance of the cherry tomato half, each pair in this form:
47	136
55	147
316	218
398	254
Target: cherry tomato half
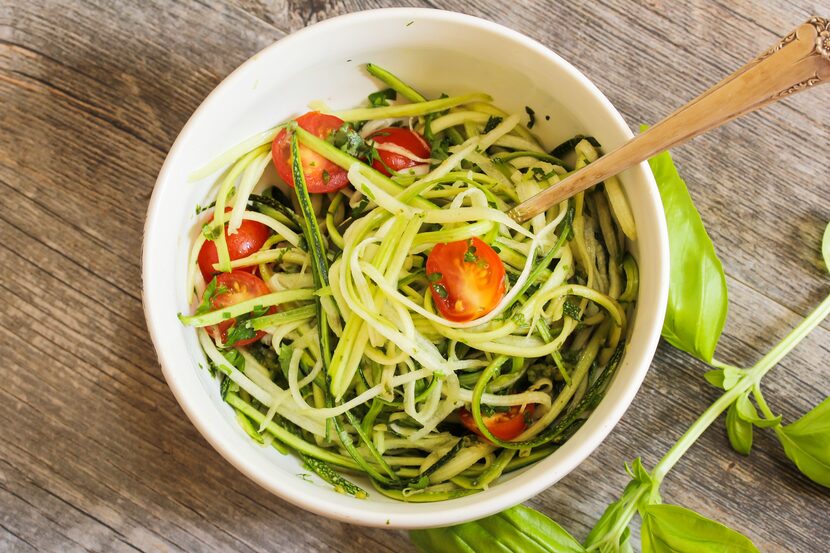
504	425
466	279
248	239
321	175
403	138
236	287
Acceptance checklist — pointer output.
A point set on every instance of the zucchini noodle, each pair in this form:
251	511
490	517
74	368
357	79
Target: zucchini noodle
347	357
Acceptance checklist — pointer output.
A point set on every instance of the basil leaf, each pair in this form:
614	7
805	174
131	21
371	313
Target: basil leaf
807	443
715	377
673	529
725	378
738	431
614	513
516	530
625	542
696	310
748	413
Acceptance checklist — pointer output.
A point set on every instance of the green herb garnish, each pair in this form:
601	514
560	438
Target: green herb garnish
531	117
382	97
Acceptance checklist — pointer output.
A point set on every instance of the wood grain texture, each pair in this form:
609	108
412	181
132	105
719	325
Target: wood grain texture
95	454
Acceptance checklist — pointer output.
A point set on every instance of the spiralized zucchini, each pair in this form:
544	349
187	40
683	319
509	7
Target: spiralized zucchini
358	371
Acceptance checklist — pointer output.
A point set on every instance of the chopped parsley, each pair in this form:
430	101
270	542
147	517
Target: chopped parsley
531	116
382	97
440	290
238	331
358	210
492	123
235	358
572	310
241	328
519	318
470	255
487	410
538	173
348	140
568	146
439	148
434	277
259	311
210	231
211	291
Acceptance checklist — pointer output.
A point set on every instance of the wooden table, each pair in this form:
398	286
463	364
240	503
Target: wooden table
95	454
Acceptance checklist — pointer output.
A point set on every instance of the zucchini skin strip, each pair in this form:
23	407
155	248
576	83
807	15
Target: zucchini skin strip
410	110
340	484
320	270
395	83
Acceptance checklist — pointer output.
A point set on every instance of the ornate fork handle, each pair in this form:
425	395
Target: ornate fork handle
797	62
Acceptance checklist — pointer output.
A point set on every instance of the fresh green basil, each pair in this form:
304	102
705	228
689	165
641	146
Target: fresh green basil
640	489
696	310
625	542
382	97
673	529
747	412
519	529
725	378
738	431
807	443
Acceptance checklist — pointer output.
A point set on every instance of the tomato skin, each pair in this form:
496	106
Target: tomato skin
248	239
464	290
321	175
503	425
240	286
404	138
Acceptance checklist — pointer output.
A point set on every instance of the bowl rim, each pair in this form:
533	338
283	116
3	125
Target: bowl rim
450	514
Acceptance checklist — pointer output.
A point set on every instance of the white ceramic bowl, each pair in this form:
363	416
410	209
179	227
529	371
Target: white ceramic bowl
436	52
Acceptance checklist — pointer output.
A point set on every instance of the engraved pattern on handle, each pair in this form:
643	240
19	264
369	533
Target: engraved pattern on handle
799	61
798	87
783	42
822	48
822	26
